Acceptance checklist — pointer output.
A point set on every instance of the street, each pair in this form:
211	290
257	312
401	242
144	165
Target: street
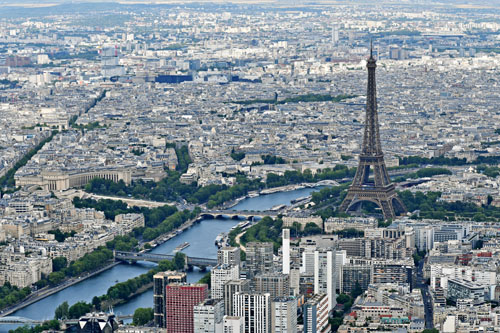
425	295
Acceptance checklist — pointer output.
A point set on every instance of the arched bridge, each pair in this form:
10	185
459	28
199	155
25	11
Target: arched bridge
154	257
237	214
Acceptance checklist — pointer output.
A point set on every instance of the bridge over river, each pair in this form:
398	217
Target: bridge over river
237	214
195	261
154	257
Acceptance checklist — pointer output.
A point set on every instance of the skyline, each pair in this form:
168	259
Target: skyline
191	165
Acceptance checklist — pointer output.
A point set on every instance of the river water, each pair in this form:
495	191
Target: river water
201	237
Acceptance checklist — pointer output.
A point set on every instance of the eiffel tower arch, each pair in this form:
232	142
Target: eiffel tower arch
378	188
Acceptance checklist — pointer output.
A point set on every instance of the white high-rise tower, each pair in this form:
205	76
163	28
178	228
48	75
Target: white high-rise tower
335	35
324	275
286	251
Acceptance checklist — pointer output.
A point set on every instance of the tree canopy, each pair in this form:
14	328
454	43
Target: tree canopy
142	316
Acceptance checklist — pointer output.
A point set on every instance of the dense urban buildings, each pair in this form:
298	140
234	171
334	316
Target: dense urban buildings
243	162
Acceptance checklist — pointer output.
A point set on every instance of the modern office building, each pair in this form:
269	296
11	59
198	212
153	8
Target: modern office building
393	272
255	309
284	315
229	256
353	274
181	298
208	316
461	289
259	257
160	282
110	66
315	313
355	247
307	265
424	237
220	275
276	284
231	288
448	232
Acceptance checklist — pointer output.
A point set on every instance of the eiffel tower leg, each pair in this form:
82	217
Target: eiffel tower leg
399	203
387	209
344	206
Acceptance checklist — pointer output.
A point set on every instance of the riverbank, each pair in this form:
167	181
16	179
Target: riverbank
279	189
173	233
202	246
144	288
43	293
37	296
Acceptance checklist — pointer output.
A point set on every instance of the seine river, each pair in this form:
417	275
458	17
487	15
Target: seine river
201	237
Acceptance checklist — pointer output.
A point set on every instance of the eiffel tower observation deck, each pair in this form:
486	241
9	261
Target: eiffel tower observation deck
378	188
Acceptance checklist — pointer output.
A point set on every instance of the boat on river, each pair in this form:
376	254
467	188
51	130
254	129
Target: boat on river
220	239
294	201
181	247
277	207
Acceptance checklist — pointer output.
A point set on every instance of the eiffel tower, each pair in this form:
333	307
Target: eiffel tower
378	189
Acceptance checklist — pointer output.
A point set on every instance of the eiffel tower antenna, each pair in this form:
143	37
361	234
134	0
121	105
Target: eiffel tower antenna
378	190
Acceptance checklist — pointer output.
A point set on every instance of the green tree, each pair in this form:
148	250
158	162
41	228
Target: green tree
179	260
183	158
11	294
312	229
430	330
62	311
59	263
61	236
349	233
343	298
49	325
335	323
56	278
142	316
237	156
207	279
79	309
96	302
